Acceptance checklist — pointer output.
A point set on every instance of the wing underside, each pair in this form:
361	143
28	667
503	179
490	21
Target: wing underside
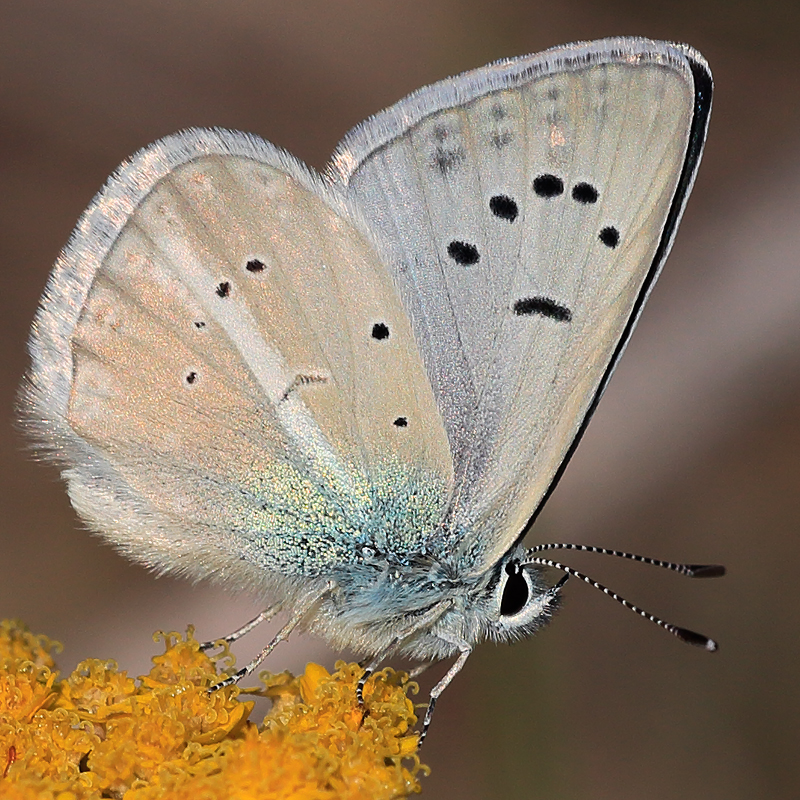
228	372
526	209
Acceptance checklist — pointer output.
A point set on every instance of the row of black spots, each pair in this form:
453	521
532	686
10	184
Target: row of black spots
500	138
191	377
447	155
380	332
466	254
549	186
506	208
252	265
223	290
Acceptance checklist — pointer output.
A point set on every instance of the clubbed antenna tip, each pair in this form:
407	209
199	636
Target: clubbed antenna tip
705	570
697	639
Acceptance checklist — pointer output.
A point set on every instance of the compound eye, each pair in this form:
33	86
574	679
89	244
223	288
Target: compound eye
515	592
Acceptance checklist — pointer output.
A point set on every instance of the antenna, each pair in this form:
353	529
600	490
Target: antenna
690	570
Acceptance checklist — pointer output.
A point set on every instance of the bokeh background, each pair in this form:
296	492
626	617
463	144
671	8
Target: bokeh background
694	453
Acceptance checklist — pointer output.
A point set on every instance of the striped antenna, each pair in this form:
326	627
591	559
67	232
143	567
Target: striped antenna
690	570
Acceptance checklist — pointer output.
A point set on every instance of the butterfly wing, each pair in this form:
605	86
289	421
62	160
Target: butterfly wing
223	366
527	209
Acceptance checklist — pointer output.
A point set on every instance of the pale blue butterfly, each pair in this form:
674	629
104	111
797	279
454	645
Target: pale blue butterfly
352	393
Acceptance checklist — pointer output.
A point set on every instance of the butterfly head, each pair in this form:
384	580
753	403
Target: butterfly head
507	602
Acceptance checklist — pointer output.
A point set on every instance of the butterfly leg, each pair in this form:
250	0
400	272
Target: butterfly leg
266	615
304	607
425	621
369	668
465	648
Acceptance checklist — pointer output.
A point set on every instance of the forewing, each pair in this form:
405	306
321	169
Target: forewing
527	208
227	371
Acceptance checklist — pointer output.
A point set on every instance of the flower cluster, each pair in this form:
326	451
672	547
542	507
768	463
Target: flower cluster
99	733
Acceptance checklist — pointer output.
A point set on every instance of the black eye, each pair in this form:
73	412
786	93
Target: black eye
515	592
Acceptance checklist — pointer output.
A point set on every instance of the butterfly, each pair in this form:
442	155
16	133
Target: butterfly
351	393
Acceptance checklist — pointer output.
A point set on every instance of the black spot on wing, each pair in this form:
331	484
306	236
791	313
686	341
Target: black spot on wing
447	159
380	331
502	138
463	253
609	237
255	265
191	377
504	207
400	422
543	306
447	152
224	289
548	185
584	193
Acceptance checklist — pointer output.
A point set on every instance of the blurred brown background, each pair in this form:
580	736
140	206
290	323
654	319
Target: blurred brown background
694	453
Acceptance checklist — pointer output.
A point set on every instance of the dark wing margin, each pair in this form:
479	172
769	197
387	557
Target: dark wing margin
703	91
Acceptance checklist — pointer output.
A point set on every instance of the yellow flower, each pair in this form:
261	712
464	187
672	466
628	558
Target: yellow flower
100	733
